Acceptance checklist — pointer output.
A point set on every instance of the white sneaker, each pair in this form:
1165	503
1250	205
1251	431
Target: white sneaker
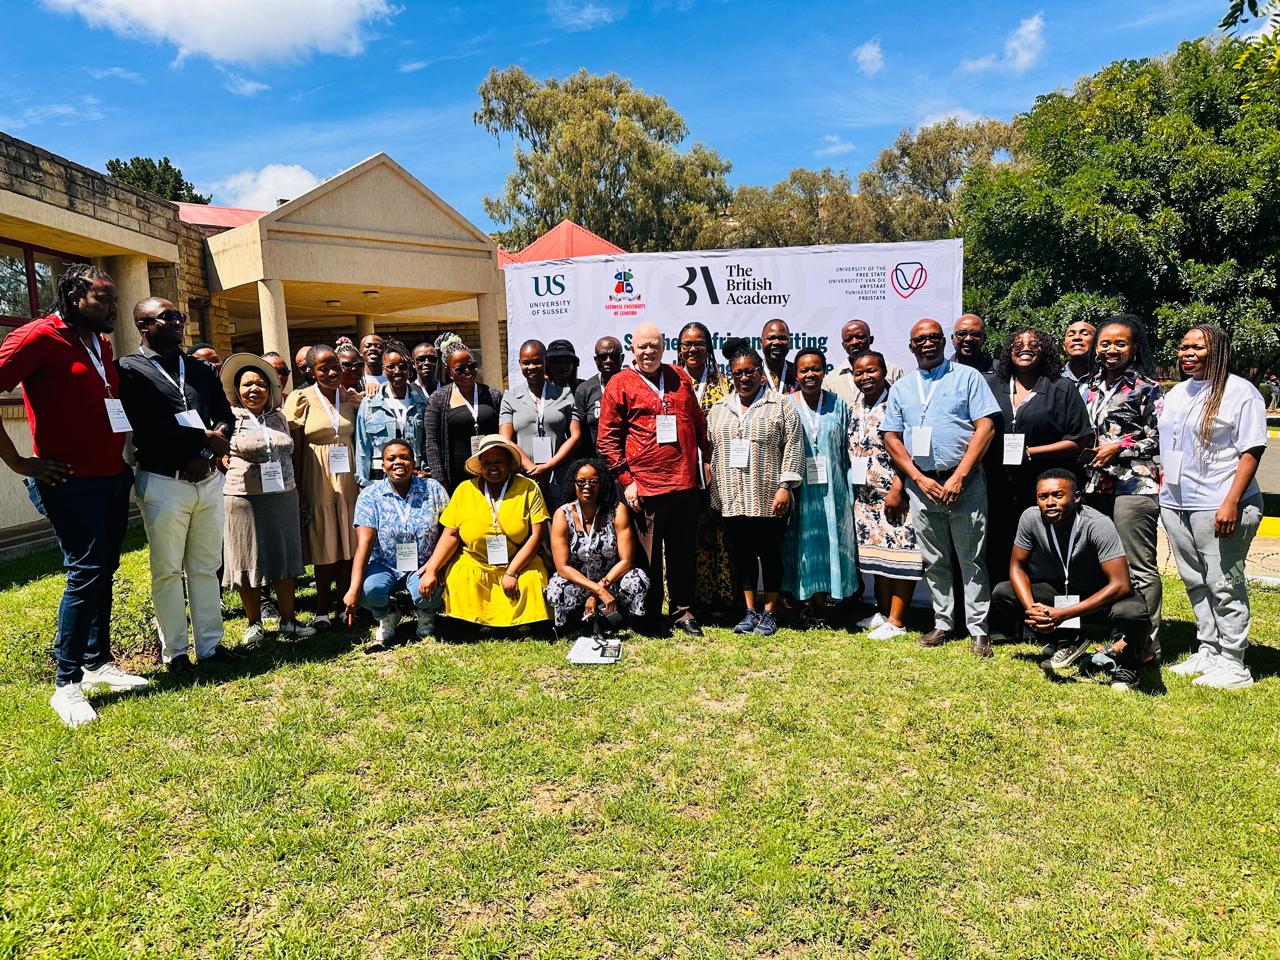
387	627
69	703
254	634
1225	675
296	630
112	677
426	624
886	631
871	622
1199	662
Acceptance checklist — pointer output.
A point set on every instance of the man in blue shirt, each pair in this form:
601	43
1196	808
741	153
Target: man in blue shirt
936	427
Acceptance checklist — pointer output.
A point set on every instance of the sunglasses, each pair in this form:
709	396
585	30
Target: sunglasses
170	316
969	335
611	355
588	482
921	340
471	367
402	365
351	364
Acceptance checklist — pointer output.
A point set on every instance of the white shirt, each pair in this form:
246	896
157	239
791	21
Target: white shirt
1207	472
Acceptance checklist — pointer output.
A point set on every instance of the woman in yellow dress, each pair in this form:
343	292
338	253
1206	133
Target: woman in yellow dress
487	554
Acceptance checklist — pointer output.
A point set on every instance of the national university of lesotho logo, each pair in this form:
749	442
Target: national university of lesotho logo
624	288
908	277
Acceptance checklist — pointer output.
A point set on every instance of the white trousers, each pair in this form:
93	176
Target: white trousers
184	528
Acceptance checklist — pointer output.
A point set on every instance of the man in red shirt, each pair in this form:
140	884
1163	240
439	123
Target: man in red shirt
651	431
78	427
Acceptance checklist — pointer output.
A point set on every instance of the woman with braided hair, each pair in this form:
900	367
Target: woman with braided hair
461	412
1213	430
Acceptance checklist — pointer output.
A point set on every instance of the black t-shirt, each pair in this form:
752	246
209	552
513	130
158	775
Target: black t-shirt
586	410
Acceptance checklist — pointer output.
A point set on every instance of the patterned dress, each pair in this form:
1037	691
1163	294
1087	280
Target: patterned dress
885	548
820	546
714	588
593	557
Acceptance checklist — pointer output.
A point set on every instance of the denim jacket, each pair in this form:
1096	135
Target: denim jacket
377	423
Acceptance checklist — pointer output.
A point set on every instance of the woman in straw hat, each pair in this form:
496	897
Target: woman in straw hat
493	526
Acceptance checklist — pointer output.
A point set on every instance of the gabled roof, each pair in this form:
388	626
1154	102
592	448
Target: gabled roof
208	215
564	240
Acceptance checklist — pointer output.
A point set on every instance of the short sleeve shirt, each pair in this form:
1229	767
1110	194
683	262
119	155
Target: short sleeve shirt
1096	541
1209	469
960	399
520	409
398	519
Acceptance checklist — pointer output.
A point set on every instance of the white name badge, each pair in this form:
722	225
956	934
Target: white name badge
495	550
340	459
272	478
118	419
740	454
1172	463
1014	445
189	418
815	470
666	428
540	449
1067	600
475	445
406	556
858	470
921	441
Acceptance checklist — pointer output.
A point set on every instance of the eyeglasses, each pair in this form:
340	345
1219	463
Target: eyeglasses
744	374
170	316
471	367
611	355
588	482
924	338
402	365
694	345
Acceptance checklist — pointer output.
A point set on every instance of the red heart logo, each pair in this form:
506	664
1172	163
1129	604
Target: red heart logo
907	278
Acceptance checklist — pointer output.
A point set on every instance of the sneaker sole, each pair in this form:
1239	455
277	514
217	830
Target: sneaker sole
1076	654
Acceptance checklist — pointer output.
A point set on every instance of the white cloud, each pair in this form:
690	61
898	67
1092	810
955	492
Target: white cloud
237	30
259	190
87	109
833	145
959	114
242	86
870	57
576	15
117	73
1022	50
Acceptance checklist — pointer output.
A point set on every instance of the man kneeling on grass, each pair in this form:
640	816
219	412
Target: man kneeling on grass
1069	568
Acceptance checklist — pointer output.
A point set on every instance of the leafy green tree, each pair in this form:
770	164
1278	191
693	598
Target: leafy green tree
808	207
1152	187
1259	59
161	178
595	150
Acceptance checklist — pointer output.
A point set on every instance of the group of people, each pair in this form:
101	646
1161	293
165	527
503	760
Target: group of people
728	485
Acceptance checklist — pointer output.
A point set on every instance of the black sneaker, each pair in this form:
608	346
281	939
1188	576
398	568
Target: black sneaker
1124	680
221	657
180	666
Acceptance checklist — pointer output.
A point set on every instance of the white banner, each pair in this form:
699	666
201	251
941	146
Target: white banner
816	290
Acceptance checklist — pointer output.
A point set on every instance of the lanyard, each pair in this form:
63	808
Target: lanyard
180	384
782	376
266	434
1071	542
812	419
700	388
736	406
925	400
495	504
1013	383
404	510
1099	404
399	408
593	531
473	407
660	388
332	410
95	356
540	404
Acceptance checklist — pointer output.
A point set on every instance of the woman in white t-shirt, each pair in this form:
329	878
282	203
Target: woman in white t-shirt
1213	430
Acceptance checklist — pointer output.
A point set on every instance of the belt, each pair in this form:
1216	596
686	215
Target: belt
177	474
942	476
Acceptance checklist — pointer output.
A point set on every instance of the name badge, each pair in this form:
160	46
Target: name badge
1172	463
495	550
815	470
340	459
858	470
1067	600
475	445
540	449
272	478
189	418
1014	446
116	416
921	441
666	428
406	556
740	454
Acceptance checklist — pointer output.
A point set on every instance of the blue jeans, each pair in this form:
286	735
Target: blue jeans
381	580
89	517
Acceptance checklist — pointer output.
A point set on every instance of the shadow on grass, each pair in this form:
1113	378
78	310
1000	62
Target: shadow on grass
21	571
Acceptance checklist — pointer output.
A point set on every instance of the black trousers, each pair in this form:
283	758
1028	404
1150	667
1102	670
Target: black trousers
755	547
1128	615
665	525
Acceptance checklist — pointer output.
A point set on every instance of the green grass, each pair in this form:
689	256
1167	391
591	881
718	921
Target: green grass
809	795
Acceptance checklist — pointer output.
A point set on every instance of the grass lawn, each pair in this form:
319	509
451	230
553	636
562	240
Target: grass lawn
808	795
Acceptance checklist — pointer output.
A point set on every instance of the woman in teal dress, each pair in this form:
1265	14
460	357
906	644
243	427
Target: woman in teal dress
820	546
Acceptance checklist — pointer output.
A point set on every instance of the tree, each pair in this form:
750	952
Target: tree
1259	59
809	207
1151	187
595	150
163	178
911	189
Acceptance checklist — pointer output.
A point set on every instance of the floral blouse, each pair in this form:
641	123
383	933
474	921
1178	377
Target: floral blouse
1126	415
866	442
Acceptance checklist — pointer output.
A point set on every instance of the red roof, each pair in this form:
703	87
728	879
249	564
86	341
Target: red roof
565	240
207	215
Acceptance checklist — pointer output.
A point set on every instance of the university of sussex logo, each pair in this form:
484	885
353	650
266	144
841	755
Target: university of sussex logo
907	278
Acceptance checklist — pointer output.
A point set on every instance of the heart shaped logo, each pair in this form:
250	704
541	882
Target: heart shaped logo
907	278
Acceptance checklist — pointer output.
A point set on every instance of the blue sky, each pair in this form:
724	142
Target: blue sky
256	99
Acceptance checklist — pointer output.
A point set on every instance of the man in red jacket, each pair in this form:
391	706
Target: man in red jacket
78	427
651	431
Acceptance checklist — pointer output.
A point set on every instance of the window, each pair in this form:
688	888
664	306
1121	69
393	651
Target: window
15	290
28	275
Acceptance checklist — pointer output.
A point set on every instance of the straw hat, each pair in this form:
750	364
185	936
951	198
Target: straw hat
239	361
495	441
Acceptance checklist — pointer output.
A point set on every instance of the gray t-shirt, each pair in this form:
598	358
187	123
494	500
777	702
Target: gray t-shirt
1096	542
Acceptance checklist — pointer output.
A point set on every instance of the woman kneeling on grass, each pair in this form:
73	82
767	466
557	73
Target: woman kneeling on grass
397	521
492	525
593	544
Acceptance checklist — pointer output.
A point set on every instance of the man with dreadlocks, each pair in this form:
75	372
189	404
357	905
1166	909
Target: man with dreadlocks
71	390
